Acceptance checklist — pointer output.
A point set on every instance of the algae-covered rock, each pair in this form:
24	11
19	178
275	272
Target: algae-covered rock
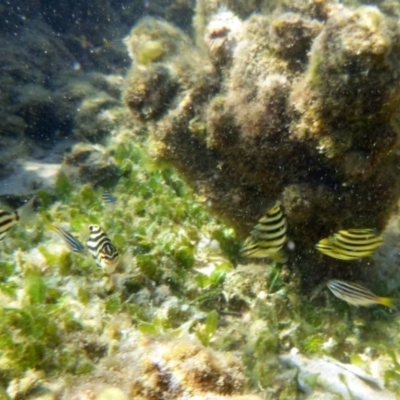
170	369
351	112
89	164
302	108
221	36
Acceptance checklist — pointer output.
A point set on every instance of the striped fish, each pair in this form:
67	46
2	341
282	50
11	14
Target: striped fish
102	250
73	243
268	236
7	221
108	198
357	295
350	244
9	218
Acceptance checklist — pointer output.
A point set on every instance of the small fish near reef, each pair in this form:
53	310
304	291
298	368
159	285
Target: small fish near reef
268	236
350	244
71	241
9	218
357	295
102	250
108	198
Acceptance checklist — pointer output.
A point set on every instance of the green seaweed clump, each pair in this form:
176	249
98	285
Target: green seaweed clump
180	315
34	328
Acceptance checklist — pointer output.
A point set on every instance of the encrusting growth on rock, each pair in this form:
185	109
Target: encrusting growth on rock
300	105
146	369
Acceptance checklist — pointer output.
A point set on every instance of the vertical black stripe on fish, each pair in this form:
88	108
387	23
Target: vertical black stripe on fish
274	226
272	216
99	244
268	236
94	239
274	234
361	240
357	233
95	244
7	221
109	252
357	246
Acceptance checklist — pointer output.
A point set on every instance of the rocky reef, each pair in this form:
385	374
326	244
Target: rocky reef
171	369
297	102
300	104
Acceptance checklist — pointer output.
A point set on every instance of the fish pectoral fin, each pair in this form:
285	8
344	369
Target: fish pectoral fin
27	211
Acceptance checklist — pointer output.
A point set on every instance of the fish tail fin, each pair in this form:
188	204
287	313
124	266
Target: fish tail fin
279	257
27	211
388	302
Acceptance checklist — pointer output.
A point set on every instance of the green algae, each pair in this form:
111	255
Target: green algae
89	197
152	245
150	51
166	285
205	332
35	288
35	345
313	344
63	187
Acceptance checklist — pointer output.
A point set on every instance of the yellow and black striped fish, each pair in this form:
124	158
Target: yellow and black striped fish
7	221
72	242
357	295
350	244
102	250
9	218
268	236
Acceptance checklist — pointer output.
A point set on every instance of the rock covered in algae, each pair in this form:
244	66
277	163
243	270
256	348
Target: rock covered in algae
169	73
221	36
350	113
164	369
299	105
90	164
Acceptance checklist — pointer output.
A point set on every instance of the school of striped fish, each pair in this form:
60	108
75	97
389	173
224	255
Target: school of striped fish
269	236
99	244
267	239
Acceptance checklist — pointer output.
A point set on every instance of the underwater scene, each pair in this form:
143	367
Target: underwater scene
199	200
